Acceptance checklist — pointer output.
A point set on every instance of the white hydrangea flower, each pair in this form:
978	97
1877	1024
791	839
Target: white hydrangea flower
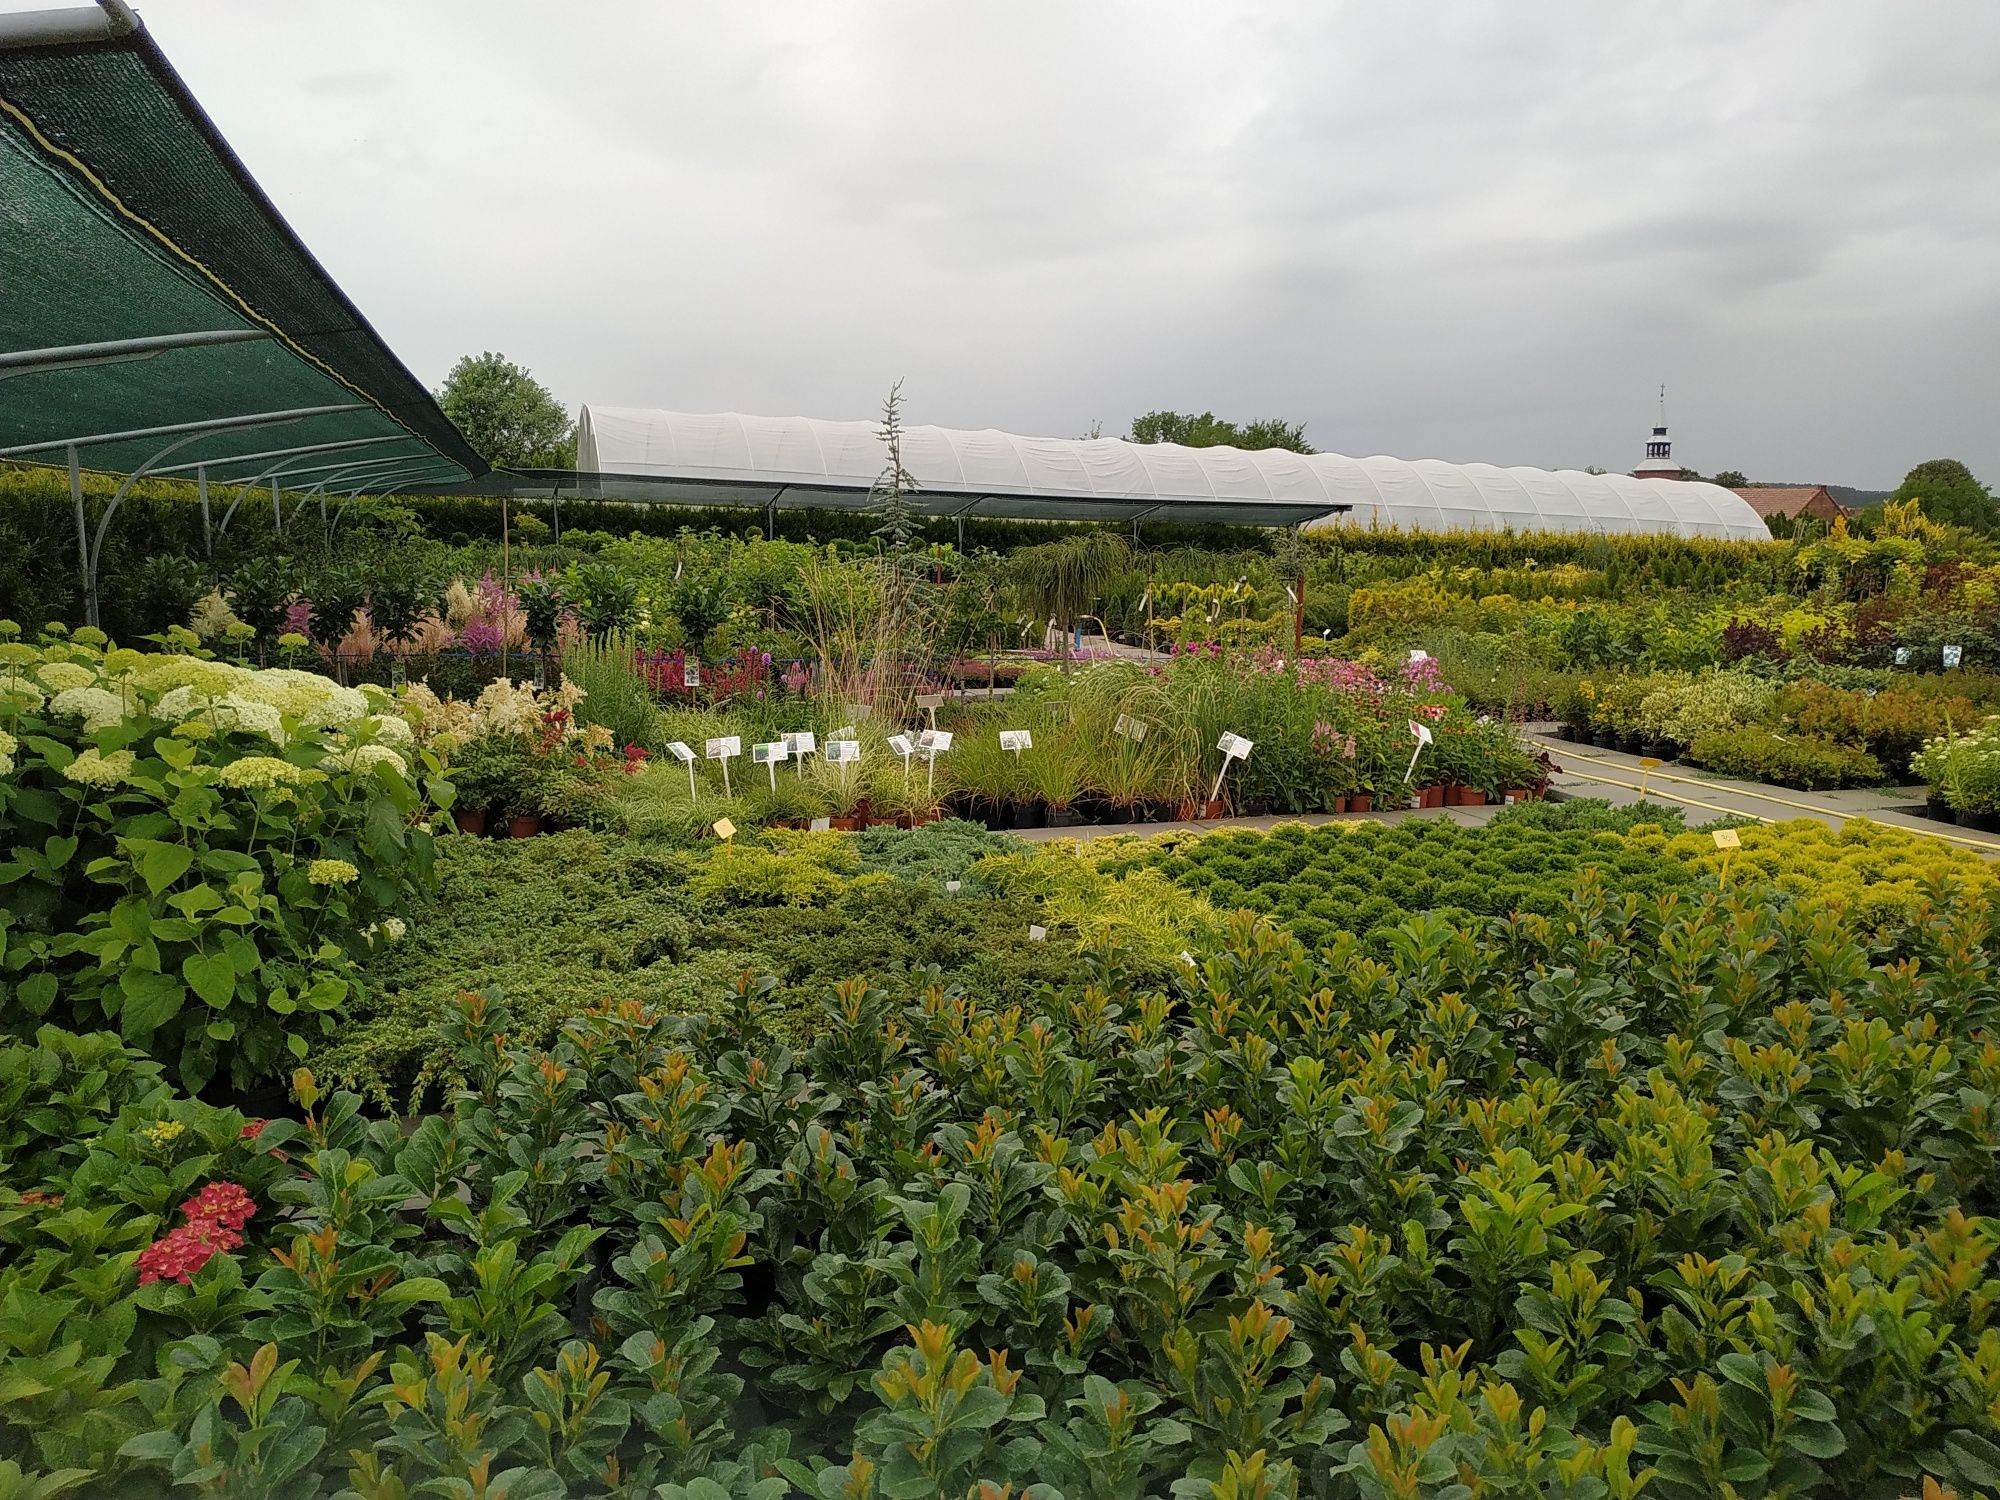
306	696
255	772
250	716
60	676
93	769
98	708
390	730
362	757
20	696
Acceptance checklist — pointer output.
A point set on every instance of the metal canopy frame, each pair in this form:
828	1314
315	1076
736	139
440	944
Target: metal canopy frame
92	101
119	351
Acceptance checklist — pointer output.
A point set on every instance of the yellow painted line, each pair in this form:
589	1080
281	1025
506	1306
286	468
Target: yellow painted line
1811	807
1824	812
1734	812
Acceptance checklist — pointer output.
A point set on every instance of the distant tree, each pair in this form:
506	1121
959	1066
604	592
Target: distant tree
1210	431
1731	479
511	419
1948	493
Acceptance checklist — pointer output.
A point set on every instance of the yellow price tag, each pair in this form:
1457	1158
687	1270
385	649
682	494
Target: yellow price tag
1647	763
724	829
1725	838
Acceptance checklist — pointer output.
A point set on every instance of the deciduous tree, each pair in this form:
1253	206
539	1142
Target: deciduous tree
511	418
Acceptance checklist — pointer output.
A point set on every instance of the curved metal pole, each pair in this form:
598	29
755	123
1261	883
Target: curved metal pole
94	549
279	470
344	472
402	484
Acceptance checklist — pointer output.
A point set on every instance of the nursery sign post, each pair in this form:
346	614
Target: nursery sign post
691	672
1727	841
843	753
900	743
725	749
767	754
1017	740
1234	748
685	755
1647	765
1132	729
930	703
1423	733
801	743
931	742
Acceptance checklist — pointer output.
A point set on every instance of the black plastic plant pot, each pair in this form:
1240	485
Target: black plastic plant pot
1659	749
1605	739
1062	817
1937	809
1030	815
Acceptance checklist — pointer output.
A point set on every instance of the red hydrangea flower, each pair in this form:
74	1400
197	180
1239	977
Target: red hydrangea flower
215	1219
176	1257
251	1130
224	1203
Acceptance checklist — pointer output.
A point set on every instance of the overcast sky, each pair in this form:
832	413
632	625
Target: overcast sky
1470	231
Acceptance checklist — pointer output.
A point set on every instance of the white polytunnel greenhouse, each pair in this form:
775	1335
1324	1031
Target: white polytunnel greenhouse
803	463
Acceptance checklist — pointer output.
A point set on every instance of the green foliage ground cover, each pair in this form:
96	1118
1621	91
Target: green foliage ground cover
1684	1196
1363	877
557	924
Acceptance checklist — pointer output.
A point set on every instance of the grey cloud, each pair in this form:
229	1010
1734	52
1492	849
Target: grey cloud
1456	228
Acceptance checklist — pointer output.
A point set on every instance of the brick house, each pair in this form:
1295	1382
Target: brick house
1791	501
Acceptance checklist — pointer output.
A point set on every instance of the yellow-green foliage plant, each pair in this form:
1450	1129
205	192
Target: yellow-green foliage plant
1871	872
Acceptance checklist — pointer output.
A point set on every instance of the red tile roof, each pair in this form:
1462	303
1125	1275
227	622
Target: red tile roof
1775	500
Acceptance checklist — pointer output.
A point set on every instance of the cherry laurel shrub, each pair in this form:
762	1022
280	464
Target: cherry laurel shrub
194	854
1682	1196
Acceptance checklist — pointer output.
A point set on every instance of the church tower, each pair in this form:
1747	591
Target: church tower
1659	462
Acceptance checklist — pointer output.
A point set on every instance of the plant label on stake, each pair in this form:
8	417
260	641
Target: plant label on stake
1132	729
845	732
1037	933
930	703
951	887
1953	655
1416	655
842	753
767	754
724	829
1234	748
691	672
1647	765
1017	740
801	743
685	755
1902	656
821	825
900	743
933	743
725	749
1727	841
1422	731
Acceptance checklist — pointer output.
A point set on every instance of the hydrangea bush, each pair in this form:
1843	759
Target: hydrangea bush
193	850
